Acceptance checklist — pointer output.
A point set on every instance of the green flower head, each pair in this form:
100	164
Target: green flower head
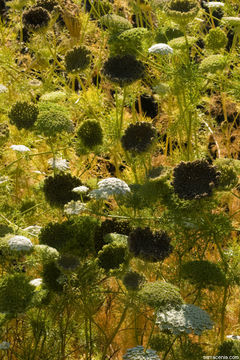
216	39
15	293
160	294
181	11
90	133
23	115
77	59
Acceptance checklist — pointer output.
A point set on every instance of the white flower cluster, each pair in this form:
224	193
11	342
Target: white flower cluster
3	88
160	48
20	148
138	353
232	20
3	179
59	164
189	318
4	345
110	187
214	4
80	189
46	253
74	208
33	229
233	337
36	282
20	243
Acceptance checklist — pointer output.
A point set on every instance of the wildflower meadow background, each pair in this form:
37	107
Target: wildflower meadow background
119	179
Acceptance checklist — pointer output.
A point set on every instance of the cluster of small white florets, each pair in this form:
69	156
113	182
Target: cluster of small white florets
3	88
110	187
36	282
20	243
138	353
59	164
80	189
189	318
74	208
33	229
4	345
19	148
214	4
160	48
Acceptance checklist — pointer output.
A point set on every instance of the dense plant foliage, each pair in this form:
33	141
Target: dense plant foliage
119	179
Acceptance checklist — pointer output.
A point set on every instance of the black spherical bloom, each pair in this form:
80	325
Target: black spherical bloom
90	133
58	189
149	246
23	115
194	179
112	256
148	105
77	59
36	18
51	276
49	5
107	227
57	235
123	70
203	273
133	280
138	137
68	262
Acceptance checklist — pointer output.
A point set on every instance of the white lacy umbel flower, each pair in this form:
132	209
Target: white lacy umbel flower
233	337
160	48
3	179
232	21
20	243
80	189
214	4
33	229
20	148
187	319
36	282
74	208
110	187
3	88
138	353
59	164
4	345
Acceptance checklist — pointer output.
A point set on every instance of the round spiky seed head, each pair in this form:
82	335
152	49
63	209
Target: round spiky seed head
216	39
115	24
112	256
194	180
15	293
36	18
213	63
49	5
53	122
23	115
203	273
133	280
123	70
77	59
149	246
181	11
90	133
58	189
138	137
160	294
